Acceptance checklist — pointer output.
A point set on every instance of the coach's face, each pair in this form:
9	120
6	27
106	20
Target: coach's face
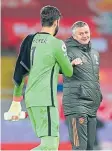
82	34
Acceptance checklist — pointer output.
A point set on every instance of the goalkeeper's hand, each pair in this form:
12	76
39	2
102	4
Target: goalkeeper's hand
15	108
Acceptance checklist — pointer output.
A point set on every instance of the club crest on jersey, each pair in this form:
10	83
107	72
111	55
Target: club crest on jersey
64	49
81	120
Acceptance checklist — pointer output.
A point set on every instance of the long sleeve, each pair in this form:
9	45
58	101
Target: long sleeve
18	92
62	59
22	67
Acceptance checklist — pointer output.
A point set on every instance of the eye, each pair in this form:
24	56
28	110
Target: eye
81	34
86	32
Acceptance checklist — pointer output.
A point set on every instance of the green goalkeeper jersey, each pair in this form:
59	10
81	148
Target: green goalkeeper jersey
48	55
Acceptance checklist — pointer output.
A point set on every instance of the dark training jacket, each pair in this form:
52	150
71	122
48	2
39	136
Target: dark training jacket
81	92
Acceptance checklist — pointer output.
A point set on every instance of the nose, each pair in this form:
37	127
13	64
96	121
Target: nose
84	35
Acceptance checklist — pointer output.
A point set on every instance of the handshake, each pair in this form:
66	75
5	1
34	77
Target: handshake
15	113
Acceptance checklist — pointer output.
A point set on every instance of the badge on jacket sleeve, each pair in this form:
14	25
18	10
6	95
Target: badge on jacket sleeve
64	49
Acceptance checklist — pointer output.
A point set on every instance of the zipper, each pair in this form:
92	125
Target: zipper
92	70
92	63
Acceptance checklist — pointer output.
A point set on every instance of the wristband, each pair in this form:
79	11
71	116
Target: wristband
17	98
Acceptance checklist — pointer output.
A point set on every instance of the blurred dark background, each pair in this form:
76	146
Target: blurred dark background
20	18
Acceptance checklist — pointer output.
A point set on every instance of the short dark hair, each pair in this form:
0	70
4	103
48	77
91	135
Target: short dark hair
48	15
79	24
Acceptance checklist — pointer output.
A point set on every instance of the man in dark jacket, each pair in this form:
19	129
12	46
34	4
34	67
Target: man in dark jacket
81	92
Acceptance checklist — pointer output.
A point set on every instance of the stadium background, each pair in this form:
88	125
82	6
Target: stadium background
20	18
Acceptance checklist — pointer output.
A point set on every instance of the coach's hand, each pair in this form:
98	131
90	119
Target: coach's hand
77	61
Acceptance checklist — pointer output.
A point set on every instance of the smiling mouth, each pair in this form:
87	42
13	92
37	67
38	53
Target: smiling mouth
84	39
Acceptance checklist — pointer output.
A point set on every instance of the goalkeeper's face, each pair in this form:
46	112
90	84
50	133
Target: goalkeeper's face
56	24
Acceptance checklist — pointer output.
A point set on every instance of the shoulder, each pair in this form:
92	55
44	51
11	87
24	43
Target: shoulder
67	41
59	43
94	51
59	46
28	38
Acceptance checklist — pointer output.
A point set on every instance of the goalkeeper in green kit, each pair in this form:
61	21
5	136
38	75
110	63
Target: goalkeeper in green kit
41	57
